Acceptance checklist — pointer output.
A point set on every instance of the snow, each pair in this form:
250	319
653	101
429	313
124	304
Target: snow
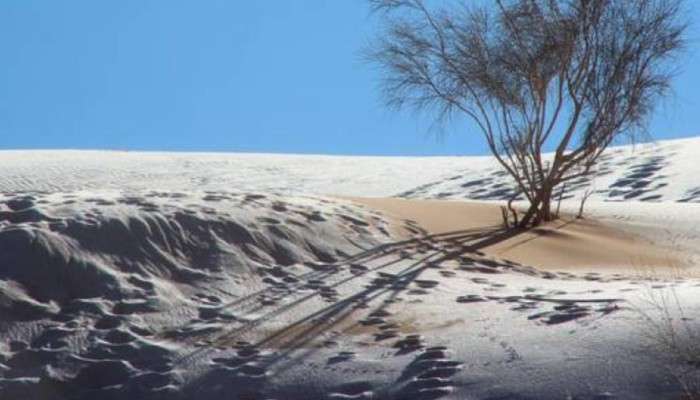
662	171
132	275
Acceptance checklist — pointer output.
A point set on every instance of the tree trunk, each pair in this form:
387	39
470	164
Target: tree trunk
540	209
531	212
546	209
561	197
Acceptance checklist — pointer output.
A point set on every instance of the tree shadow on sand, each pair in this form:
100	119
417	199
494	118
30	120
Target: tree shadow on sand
294	341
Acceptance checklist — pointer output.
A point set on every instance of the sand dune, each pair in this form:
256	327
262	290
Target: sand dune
654	172
566	244
121	284
147	276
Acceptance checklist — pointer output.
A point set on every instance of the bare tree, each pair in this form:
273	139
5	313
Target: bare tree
570	75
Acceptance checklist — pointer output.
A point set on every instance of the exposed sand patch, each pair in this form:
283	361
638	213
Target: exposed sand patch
566	244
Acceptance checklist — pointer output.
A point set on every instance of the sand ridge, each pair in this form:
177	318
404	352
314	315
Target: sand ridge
566	244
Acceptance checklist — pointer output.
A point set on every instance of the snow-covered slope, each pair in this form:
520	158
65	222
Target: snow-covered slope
100	289
129	275
662	171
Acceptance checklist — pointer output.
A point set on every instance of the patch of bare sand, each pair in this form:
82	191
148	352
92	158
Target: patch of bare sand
567	244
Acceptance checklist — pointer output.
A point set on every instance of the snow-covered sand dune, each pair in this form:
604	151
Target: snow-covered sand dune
193	276
663	171
99	288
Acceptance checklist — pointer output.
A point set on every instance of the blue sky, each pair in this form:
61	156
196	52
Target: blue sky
229	75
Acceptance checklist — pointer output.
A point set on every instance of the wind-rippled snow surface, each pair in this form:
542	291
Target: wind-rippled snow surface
129	275
102	291
663	171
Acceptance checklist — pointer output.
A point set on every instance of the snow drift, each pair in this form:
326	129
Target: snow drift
83	273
